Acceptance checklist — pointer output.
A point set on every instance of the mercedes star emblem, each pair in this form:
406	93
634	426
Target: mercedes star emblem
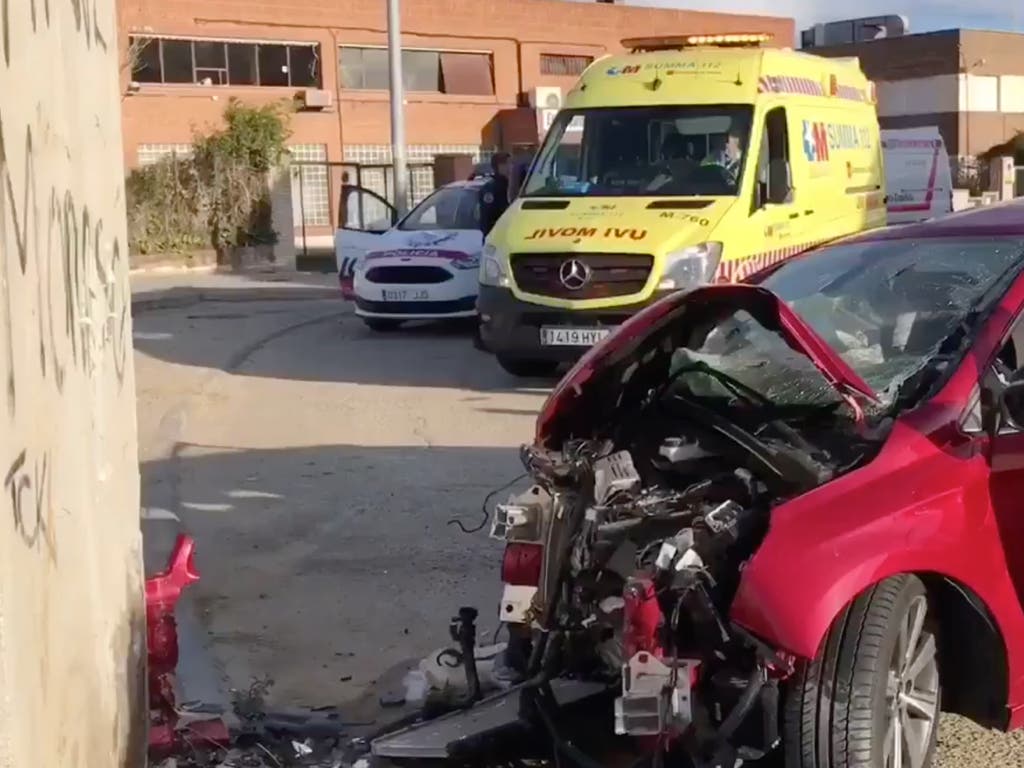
574	274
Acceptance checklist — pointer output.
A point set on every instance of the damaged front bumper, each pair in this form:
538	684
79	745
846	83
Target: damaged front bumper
492	725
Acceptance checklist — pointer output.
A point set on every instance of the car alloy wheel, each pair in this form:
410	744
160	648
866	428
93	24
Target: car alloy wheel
870	697
912	691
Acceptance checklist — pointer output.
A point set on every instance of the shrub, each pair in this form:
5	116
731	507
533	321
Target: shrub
218	195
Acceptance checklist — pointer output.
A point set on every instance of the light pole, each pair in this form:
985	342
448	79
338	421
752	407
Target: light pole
966	71
397	107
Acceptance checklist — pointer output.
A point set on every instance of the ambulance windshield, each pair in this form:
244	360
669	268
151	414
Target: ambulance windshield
678	151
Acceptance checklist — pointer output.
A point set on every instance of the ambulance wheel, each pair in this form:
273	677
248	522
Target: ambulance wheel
528	369
381	324
871	696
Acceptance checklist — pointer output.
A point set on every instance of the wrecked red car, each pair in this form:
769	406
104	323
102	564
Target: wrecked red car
779	521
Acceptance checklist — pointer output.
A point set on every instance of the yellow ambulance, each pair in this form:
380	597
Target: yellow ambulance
686	161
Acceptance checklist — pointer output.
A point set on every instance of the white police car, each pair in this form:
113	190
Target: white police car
426	266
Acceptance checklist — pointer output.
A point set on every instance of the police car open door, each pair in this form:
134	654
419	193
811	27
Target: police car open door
363	216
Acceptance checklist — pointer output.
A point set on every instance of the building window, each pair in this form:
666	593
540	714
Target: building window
149	154
557	64
468	74
225	62
310	185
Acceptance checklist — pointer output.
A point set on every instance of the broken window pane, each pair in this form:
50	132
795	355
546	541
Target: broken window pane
146	63
273	61
177	61
305	66
242	64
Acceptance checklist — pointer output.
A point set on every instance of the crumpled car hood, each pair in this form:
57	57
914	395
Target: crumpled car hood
762	304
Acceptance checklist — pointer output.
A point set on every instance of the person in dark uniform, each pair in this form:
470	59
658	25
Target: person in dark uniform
493	202
494	195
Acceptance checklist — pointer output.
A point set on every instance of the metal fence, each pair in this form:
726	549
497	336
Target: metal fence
317	194
380	179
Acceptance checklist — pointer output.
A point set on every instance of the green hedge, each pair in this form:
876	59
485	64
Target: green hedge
218	196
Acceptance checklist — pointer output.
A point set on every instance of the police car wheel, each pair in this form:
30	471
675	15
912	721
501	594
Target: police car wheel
528	369
382	324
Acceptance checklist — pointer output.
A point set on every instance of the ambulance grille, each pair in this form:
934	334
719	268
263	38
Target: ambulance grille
596	276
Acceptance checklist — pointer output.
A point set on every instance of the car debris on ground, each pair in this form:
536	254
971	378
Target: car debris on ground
252	735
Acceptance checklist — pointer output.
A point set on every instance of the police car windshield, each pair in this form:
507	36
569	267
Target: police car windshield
445	208
678	151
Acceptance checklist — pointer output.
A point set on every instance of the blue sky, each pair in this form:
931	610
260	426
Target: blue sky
924	15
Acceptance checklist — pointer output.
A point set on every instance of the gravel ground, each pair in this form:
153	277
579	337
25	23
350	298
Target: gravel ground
962	744
319	465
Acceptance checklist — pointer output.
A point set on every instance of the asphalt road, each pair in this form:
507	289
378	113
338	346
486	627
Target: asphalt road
319	464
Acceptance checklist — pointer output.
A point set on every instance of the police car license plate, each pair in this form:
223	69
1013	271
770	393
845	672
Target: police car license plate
572	337
417	294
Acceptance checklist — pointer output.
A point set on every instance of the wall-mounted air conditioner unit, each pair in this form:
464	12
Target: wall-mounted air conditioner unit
315	99
546	97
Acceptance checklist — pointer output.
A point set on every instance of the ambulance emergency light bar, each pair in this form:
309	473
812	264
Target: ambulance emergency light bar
640	44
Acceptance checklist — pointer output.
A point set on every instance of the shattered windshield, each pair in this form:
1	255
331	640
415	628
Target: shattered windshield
740	362
886	307
643	151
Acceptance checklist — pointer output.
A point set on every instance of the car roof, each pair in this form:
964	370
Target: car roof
464	184
998	219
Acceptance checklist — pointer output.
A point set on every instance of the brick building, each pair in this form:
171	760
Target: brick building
968	83
470	67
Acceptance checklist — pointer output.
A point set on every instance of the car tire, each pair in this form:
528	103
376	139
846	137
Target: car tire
844	708
382	324
528	369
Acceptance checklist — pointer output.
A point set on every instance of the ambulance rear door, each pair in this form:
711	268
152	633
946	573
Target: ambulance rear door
918	180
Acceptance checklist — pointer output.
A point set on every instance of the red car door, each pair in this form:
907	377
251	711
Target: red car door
1006	484
1006	462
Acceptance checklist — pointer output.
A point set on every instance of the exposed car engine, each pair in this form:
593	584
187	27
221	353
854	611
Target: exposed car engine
644	539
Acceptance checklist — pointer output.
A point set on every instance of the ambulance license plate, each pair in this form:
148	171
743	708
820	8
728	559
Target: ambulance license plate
572	337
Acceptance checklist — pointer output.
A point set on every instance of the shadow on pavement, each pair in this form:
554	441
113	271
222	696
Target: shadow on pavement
157	291
326	567
321	341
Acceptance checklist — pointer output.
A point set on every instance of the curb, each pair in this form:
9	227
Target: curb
176	298
174	269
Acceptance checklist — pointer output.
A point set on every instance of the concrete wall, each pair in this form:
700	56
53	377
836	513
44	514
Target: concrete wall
72	627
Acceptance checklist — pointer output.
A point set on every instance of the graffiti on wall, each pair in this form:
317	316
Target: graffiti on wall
71	253
64	299
27	490
85	12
